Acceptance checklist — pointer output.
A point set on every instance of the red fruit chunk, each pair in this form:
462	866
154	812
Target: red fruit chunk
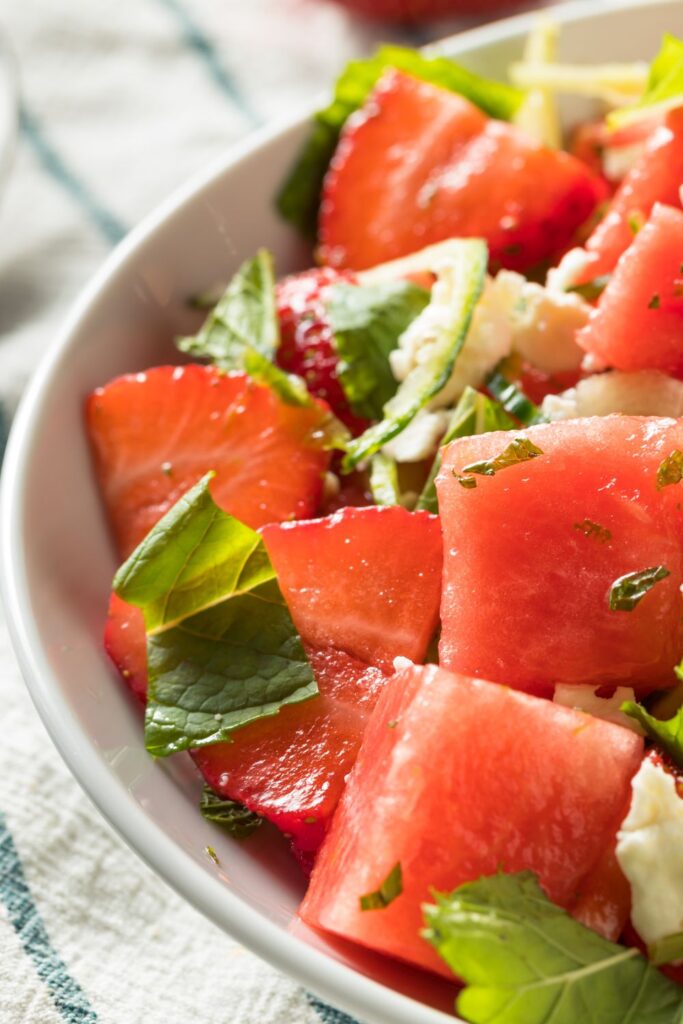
656	177
638	322
307	341
417	10
155	434
364	580
458	778
419	164
126	644
528	567
604	899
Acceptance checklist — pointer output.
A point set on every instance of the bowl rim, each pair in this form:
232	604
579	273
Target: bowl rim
339	983
9	106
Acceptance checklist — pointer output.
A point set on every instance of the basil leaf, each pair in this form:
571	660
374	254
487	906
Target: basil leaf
245	317
367	322
523	959
670	469
628	590
664	89
299	196
235	818
222	649
668	734
445	322
514	400
474	414
667	950
384	480
521	449
388	891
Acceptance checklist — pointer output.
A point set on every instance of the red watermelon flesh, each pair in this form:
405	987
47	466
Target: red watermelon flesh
603	902
656	177
459	778
528	565
638	322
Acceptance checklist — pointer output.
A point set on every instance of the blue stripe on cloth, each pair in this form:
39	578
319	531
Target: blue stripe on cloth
66	993
196	39
106	222
328	1014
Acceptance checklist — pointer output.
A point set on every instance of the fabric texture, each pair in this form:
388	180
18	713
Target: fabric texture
120	103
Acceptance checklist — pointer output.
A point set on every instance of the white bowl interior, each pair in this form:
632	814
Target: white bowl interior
59	560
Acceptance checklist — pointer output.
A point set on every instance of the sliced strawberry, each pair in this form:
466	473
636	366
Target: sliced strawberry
419	164
374	581
655	177
307	342
364	580
155	434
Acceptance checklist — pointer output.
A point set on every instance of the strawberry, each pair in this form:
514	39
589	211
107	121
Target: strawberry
411	11
306	339
155	434
363	586
419	164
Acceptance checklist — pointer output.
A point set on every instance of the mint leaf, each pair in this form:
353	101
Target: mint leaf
388	891
367	322
384	480
513	400
222	649
526	961
445	323
520	449
668	734
475	413
664	89
670	469
235	818
590	529
245	317
299	197
628	590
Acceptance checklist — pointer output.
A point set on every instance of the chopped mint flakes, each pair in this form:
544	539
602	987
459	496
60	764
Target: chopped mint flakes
670	469
590	529
232	816
389	890
627	591
519	450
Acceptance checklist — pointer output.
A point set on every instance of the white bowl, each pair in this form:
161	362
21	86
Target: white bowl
9	104
58	560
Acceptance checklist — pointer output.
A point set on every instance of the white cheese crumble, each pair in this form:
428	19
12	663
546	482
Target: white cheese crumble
584	698
650	853
638	393
569	270
419	439
401	663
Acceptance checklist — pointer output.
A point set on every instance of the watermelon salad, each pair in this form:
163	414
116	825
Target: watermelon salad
402	534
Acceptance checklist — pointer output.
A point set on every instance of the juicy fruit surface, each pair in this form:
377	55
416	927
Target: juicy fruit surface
526	583
656	177
373	592
638	322
496	794
365	580
417	10
155	434
419	164
306	338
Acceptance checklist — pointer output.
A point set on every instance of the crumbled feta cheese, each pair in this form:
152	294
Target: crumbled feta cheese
617	161
420	439
401	663
569	270
650	853
544	322
585	698
487	342
638	393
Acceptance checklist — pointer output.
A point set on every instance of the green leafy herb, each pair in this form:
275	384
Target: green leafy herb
221	645
454	297
234	817
391	887
591	290
667	950
210	852
513	400
384	480
475	413
655	302
628	590
668	734
664	89
244	318
367	322
299	197
519	450
670	469
526	961
590	529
